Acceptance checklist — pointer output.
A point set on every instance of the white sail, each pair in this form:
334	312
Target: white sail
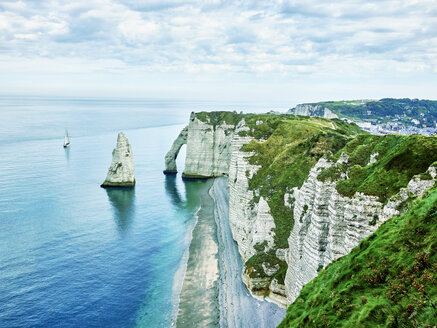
66	139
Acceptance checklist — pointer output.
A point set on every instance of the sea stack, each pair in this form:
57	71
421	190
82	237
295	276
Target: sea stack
121	173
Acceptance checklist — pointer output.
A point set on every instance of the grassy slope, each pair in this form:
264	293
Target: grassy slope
295	143
399	159
388	280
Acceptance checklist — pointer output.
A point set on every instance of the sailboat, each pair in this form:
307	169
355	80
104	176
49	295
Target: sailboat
66	140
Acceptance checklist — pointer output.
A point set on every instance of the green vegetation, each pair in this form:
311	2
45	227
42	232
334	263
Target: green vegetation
259	247
215	118
387	109
255	269
292	146
399	159
388	280
286	147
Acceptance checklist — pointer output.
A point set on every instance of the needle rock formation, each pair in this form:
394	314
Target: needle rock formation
121	173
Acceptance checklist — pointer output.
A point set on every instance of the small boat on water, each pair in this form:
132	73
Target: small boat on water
66	139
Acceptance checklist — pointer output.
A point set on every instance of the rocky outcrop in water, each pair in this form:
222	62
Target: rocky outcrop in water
121	172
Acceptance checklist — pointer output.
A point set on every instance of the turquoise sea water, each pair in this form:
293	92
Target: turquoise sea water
71	253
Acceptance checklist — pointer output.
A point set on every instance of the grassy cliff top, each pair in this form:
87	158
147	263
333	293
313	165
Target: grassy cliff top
398	159
287	147
388	280
385	109
219	117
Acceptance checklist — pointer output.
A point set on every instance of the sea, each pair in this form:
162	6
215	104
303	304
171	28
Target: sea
73	254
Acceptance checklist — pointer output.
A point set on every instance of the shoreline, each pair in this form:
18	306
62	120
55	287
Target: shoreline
198	299
182	269
212	292
238	308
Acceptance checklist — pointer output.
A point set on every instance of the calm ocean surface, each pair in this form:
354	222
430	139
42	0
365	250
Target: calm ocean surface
71	253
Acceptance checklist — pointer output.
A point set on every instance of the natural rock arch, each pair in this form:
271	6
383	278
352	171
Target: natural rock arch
170	158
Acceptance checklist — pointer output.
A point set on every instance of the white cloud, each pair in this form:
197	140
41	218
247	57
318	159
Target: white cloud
295	39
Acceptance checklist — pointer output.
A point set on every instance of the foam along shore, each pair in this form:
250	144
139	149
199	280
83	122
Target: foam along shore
213	293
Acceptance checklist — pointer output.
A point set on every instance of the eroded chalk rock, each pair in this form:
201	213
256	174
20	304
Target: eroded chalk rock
121	173
328	225
170	157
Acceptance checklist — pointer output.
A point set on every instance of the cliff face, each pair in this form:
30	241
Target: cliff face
208	147
251	222
121	172
312	110
221	144
388	280
304	191
329	225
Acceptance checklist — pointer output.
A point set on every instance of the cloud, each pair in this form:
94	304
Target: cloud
277	36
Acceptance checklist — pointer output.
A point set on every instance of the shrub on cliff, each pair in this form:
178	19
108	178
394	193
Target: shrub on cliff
399	158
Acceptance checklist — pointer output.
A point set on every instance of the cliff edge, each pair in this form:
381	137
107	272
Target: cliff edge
304	191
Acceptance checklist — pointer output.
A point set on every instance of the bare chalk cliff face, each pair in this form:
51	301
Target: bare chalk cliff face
328	225
208	148
251	222
312	110
121	172
170	158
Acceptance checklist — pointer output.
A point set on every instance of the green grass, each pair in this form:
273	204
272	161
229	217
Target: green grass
388	280
215	118
385	109
254	265
293	144
399	159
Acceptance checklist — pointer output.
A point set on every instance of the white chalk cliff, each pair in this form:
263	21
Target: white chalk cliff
312	110
251	223
208	148
327	225
121	172
170	157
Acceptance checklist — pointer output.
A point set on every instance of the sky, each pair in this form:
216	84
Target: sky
279	51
